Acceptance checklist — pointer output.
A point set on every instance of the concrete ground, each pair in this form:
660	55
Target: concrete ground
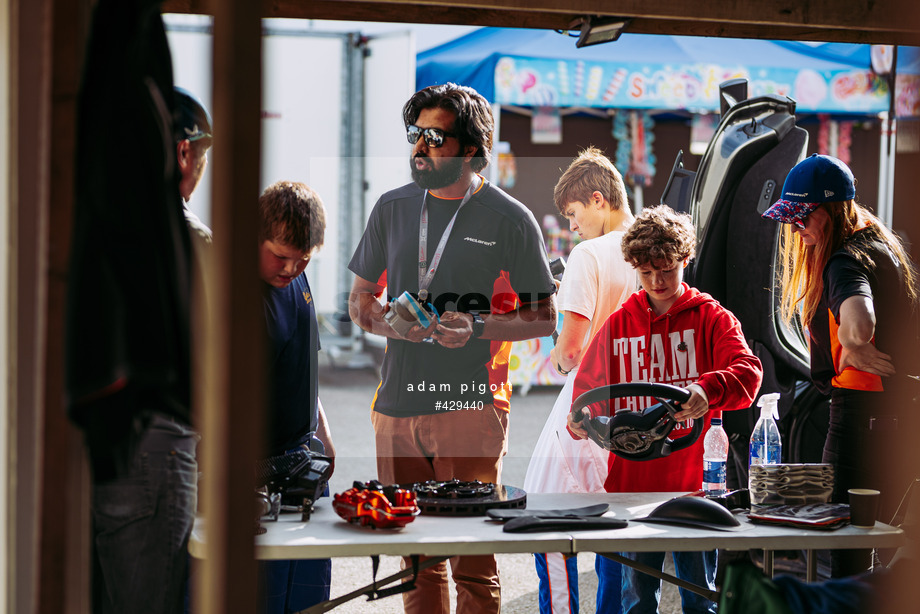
346	393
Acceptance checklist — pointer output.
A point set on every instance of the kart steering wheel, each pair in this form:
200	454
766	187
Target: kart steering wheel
635	435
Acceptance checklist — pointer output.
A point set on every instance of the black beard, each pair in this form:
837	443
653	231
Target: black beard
435	178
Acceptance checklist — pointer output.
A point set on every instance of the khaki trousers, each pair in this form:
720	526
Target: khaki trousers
466	445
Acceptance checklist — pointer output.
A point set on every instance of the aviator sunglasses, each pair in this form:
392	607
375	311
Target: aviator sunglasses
434	137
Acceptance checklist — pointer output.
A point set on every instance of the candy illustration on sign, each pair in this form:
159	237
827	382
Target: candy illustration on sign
616	82
563	78
528	80
504	74
579	77
594	82
810	88
908	95
856	84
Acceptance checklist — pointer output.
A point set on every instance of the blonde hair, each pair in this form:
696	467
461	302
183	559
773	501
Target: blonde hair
801	266
591	171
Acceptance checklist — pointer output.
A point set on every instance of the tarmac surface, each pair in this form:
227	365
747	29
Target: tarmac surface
347	384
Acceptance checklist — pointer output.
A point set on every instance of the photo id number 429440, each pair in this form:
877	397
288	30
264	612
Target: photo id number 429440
458	405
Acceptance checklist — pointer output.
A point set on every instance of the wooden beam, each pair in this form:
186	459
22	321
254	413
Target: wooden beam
860	21
234	386
65	546
30	147
49	521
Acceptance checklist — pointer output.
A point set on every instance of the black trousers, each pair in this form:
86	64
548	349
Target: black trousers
871	443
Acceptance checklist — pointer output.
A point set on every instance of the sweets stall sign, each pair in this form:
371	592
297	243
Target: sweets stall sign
526	67
574	83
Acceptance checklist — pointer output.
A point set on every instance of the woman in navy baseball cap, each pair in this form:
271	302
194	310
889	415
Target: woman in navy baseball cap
815	180
849	281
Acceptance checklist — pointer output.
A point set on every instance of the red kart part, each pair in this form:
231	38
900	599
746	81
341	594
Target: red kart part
377	507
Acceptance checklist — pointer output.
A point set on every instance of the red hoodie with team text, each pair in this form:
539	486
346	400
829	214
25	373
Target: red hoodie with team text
696	341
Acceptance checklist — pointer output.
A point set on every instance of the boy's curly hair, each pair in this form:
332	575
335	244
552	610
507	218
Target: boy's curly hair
659	235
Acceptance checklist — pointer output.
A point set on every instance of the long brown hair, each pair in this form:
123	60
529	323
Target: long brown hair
802	266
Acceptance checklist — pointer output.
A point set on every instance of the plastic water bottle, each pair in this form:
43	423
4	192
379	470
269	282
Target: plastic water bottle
766	446
715	455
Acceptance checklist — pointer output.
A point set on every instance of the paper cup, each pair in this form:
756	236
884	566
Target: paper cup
863	507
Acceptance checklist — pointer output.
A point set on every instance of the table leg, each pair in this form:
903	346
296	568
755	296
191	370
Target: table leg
768	563
811	566
657	573
372	588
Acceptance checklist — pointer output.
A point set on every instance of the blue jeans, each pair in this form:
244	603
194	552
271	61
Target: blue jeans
641	591
142	521
609	585
286	587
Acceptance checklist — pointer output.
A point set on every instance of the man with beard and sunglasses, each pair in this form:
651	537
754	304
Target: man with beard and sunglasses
473	257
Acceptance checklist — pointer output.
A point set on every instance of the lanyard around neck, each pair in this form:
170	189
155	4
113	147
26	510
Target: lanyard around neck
425	272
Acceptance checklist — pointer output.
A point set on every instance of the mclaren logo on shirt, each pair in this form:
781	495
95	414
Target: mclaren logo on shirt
480	241
308	297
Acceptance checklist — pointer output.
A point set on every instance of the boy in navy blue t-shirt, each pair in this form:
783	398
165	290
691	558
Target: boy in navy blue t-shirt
292	226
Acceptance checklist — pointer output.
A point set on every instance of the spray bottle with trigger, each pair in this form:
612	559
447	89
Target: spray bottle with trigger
766	446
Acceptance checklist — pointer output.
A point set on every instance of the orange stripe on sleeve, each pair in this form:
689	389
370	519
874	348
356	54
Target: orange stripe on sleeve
850	378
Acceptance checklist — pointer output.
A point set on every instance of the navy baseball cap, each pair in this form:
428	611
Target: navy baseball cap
816	179
193	122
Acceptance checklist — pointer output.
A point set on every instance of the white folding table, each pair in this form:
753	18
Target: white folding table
326	535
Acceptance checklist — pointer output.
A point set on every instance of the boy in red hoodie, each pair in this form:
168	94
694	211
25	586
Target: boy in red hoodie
673	334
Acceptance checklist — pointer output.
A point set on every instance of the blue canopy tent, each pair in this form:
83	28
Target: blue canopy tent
513	66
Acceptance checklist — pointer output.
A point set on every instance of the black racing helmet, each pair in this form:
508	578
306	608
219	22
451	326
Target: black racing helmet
192	122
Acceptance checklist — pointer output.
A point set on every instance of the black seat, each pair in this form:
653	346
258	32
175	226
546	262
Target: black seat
741	173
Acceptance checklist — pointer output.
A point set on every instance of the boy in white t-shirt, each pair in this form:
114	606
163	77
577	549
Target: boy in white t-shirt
592	196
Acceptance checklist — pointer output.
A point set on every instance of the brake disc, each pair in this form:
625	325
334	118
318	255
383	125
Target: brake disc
465	498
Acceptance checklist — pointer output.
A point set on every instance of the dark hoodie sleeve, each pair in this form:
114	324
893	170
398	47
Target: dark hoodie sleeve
736	376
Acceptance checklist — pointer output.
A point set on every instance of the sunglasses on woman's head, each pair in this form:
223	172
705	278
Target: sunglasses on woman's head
434	137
